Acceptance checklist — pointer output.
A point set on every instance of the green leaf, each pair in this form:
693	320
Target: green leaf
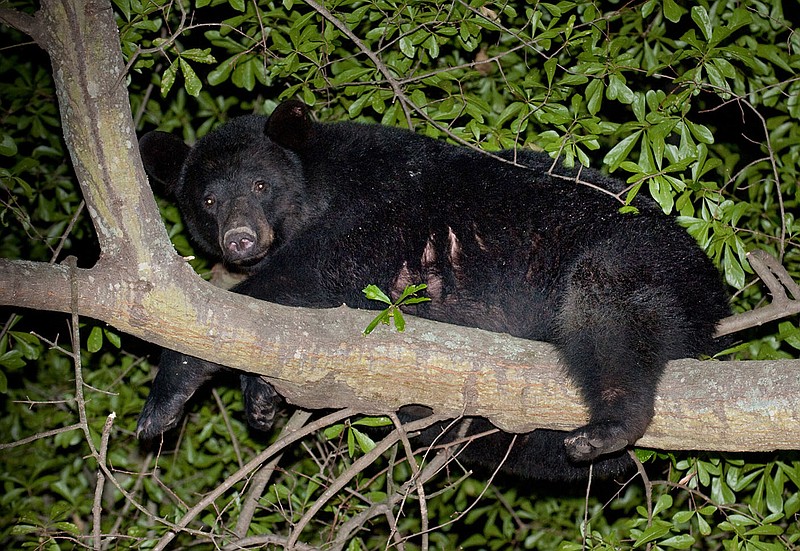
620	152
765	530
191	82
700	16
792	505
68	527
351	443
222	72
373	292
23	529
774	488
673	11
432	45
410	290
407	47
790	334
12	360
27	344
8	147
364	442
383	318
168	78
399	320
355	108
594	95
334	431
622	92
198	55
95	340
682	541
113	338
656	531
702	133
243	74
379	421
550	69
703	526
664	502
732	268
722	494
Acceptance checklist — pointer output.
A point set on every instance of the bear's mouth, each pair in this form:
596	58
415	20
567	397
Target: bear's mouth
244	246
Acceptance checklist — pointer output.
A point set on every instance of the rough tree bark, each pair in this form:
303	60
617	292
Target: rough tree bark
318	358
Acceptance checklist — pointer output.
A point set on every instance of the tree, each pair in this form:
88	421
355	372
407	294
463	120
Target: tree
142	288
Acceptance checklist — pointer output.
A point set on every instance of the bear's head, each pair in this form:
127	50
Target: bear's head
241	188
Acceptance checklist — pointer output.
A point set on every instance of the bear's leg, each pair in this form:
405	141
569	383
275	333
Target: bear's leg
178	377
614	328
260	401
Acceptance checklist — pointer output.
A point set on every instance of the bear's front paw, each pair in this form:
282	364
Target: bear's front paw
595	439
158	416
260	402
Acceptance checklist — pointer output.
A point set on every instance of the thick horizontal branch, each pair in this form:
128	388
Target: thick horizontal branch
320	359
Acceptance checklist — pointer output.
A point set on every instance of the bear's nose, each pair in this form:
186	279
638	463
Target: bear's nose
240	245
239	240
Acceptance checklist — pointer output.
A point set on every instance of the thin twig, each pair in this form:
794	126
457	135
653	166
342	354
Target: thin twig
262	477
97	505
585	538
227	420
39	436
423	502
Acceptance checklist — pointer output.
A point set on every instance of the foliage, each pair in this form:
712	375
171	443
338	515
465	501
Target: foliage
393	312
694	104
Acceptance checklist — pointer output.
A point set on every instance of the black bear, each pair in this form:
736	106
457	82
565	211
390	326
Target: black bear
501	243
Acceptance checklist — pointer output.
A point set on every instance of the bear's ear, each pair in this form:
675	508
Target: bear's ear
289	125
163	155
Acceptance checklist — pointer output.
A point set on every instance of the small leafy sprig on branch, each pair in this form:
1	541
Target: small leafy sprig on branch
408	298
356	436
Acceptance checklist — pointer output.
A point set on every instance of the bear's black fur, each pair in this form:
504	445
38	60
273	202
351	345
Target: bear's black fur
316	211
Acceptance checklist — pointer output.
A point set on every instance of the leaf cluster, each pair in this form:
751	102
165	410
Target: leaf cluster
407	298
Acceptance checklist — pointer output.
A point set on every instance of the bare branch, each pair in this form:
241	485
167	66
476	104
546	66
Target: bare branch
97	506
23	22
779	282
40	435
251	465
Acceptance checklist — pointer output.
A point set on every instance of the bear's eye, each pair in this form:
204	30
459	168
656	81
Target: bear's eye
209	201
259	186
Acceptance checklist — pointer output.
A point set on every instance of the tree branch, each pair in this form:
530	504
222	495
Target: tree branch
785	295
23	22
319	359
